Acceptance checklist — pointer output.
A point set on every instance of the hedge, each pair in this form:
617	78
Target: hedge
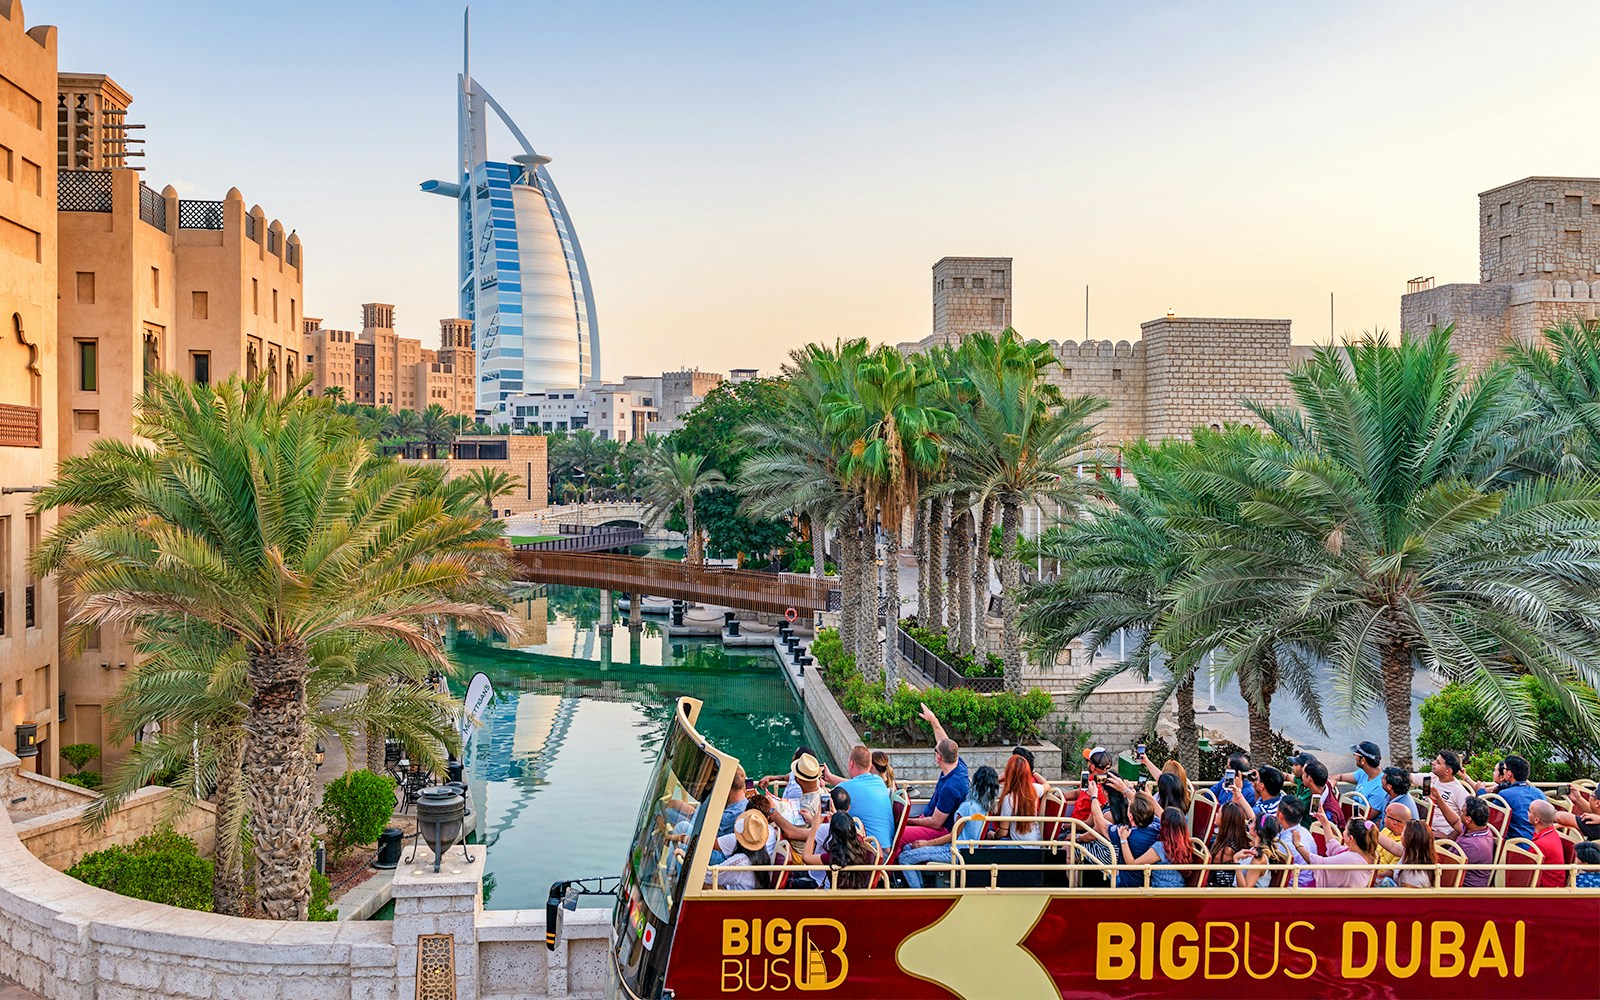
937	642
162	867
970	718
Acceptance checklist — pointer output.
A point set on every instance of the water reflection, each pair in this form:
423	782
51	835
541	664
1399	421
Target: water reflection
578	721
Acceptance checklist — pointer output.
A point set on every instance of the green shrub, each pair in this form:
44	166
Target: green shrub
970	718
356	807
1452	720
321	889
83	779
162	867
79	754
937	642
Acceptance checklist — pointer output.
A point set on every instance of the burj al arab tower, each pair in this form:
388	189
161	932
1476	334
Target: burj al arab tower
524	283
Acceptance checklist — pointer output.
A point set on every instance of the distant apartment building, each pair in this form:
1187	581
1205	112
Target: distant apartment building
30	710
147	283
613	411
521	456
379	368
1538	266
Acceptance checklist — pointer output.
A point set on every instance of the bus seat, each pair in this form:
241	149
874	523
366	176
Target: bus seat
1202	856
978	859
1054	806
1453	864
1355	805
1205	814
1499	813
1519	852
783	854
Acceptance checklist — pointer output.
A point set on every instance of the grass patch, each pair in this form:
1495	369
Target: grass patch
530	539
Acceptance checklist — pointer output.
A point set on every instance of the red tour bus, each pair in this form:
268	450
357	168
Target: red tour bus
1025	920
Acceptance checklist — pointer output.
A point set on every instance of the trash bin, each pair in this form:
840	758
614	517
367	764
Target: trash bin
389	842
1128	769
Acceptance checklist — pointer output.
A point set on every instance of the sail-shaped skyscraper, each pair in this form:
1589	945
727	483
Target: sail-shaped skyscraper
524	283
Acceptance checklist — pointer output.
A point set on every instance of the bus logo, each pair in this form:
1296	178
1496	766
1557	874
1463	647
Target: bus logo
759	955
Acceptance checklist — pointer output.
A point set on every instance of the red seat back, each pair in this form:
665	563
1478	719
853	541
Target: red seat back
1205	815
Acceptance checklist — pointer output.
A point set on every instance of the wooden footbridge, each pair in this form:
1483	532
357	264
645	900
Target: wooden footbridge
735	588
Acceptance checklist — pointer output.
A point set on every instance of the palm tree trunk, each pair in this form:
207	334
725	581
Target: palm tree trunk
871	657
849	588
227	880
1261	718
933	579
961	572
980	578
692	548
1010	592
919	546
819	546
891	619
1397	673
278	771
1188	732
373	742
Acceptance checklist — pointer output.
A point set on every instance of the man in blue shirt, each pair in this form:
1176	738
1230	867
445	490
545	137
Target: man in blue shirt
1512	777
1268	786
948	792
1368	775
1224	790
736	803
869	796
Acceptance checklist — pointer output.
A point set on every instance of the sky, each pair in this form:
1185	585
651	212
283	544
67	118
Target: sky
746	177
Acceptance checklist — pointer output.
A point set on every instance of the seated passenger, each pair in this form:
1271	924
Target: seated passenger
1588	859
843	846
1232	836
1290	813
790	789
1266	848
1324	802
1225	790
1172	783
869	798
1418	856
1137	839
1511	784
1476	841
1445	787
948	792
1269	790
1021	794
883	769
1368	775
1547	840
736	800
1357	845
750	843
1397	789
980	802
1390	846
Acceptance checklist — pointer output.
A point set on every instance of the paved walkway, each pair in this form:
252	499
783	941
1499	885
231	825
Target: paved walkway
11	991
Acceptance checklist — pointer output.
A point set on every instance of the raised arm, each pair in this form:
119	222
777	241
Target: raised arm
933	720
1448	811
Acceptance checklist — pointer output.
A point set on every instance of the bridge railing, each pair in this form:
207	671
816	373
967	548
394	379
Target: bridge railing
738	588
586	540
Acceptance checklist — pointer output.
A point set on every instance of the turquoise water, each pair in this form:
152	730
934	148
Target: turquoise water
567	747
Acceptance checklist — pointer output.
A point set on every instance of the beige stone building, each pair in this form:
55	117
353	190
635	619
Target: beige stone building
379	368
969	294
1538	266
521	456
30	715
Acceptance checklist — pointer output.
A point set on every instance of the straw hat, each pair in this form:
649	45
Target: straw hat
750	830
806	766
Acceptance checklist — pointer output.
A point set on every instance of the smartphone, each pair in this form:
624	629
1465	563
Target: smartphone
1083	778
1144	781
749	784
1141	749
1227	776
1427	784
1565	791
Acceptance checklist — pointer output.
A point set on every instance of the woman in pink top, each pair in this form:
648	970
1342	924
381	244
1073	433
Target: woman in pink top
1334	870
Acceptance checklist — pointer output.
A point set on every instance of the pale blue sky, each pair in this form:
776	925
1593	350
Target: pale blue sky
748	176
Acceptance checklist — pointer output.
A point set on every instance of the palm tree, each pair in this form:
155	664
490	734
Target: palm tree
1410	552
405	425
1561	380
1019	444
486	485
436	429
890	432
270	520
674	479
334	392
1118	568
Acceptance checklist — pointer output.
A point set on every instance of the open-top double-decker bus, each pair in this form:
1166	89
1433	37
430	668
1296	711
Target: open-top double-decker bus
1020	922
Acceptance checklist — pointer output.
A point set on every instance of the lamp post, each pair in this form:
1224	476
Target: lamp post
440	812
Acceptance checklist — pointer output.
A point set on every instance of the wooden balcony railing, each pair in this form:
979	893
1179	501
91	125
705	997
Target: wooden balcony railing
19	426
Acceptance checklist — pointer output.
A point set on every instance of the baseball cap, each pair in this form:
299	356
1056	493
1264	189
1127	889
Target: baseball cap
1369	750
1301	759
1091	751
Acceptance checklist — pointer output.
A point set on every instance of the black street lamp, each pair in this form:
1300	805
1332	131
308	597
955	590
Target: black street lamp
440	812
28	739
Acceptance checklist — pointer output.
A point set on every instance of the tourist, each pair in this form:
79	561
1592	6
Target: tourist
1547	840
1324	802
948	792
1418	856
1266	849
869	796
1476	841
1137	838
843	846
1021	794
1033	769
1444	787
1227	786
840	799
1231	837
1170	847
736	802
1297	767
1093	796
751	843
1511	784
1397	789
1368	775
1348	863
982	793
1588	858
1173	792
1391	847
790	789
883	769
1101	803
1269	791
1291	812
1585	814
808	781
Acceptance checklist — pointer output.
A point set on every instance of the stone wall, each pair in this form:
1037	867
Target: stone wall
60	838
1113	371
27	795
970	294
1478	312
1199	371
1545	227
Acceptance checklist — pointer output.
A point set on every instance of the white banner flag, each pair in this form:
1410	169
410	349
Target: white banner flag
479	694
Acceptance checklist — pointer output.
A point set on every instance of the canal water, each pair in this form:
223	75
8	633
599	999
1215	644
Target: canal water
568	745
